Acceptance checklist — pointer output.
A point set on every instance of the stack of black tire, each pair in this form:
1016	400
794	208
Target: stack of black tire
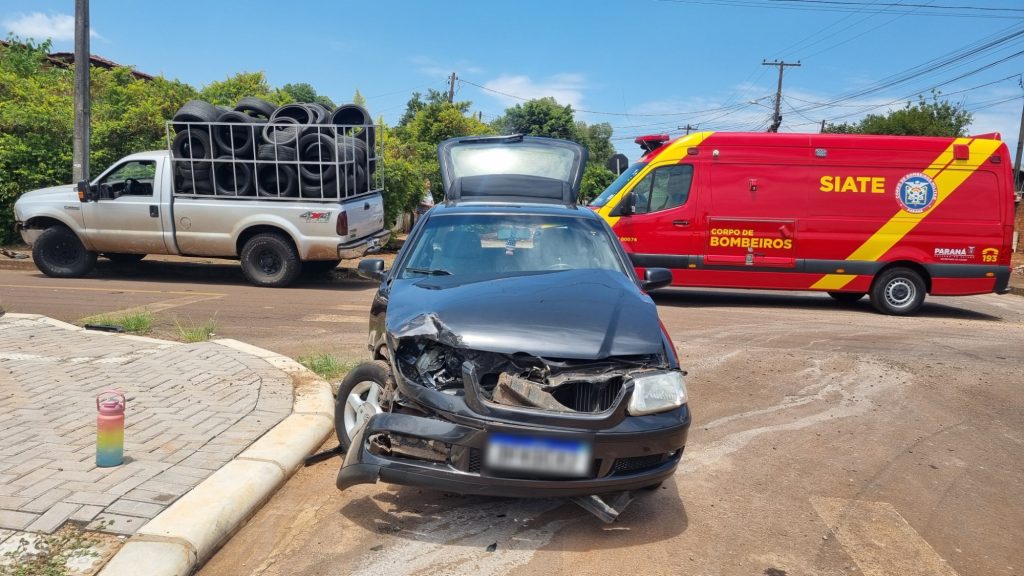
299	150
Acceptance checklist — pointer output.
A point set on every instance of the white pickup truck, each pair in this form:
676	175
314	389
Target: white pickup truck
139	206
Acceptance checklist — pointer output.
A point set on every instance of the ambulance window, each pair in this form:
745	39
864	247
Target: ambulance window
664	188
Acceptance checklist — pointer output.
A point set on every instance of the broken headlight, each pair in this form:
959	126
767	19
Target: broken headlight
657	392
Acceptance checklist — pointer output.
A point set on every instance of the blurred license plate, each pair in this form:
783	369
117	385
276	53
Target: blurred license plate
538	455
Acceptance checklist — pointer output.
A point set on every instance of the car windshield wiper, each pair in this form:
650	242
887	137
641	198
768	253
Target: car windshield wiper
429	271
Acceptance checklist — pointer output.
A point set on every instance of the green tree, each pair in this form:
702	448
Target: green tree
597	139
595	179
358	99
925	118
229	91
539	117
303	92
425	124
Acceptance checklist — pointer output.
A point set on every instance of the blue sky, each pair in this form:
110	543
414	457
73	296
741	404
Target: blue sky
642	65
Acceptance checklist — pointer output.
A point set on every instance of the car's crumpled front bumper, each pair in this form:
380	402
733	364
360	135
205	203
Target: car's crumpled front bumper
638	452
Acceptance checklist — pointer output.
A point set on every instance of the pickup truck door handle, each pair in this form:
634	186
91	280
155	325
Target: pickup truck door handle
680	223
154	211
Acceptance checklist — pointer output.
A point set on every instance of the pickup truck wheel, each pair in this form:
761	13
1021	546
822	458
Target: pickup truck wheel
359	398
846	297
59	253
270	260
119	258
898	291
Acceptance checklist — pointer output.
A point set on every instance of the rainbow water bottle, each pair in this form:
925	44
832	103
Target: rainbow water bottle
110	428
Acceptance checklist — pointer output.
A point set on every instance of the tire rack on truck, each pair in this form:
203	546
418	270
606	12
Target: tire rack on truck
138	206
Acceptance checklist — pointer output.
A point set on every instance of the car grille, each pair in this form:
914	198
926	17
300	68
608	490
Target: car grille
588	396
637	463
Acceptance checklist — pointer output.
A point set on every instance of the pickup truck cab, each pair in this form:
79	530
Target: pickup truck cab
131	210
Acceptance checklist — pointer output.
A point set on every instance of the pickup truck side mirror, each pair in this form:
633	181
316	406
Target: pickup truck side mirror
655	278
371	269
86	193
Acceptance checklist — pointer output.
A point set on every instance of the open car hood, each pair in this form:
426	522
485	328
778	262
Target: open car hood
511	168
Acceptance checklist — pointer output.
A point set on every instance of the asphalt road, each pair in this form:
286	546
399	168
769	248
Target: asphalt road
827	440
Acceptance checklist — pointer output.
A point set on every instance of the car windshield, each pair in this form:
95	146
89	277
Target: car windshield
617	185
495	246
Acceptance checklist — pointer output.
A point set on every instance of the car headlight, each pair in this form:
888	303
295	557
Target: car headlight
657	393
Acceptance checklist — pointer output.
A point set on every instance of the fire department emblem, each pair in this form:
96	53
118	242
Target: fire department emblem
916	192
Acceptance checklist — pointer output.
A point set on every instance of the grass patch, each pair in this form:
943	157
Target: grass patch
191	332
326	366
49	554
134	322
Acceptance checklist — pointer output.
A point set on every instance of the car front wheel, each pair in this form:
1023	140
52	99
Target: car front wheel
360	396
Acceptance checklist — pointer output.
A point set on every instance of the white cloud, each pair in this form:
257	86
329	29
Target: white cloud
430	67
566	88
39	26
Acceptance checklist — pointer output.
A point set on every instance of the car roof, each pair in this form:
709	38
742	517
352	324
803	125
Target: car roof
514	208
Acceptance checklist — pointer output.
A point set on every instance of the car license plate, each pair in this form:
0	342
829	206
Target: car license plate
546	456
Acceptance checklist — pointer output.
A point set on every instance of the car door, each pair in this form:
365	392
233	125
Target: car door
663	230
126	214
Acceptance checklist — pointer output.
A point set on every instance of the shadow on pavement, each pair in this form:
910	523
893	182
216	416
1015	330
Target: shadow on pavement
692	298
228	273
431	517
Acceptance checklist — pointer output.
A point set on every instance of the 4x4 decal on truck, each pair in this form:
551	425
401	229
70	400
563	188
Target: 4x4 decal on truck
310	216
945	182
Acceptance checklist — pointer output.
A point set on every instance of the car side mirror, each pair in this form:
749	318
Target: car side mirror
655	278
627	206
371	269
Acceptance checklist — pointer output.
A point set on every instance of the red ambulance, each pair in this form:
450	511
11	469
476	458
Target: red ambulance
890	216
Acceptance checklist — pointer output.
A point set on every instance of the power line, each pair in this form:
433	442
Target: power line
598	112
926	68
901	5
918	10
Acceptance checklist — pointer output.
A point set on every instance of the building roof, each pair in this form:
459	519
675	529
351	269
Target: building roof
67	59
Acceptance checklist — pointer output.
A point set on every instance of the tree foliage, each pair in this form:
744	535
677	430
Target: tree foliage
37	120
539	117
925	118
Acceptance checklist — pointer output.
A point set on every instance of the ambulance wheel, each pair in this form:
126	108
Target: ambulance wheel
898	291
846	297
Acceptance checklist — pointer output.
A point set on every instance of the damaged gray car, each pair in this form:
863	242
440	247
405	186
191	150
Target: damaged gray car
516	350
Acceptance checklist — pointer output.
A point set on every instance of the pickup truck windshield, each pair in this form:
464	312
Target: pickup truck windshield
495	246
617	185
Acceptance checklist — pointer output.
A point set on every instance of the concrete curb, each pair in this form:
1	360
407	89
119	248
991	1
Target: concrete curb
187	533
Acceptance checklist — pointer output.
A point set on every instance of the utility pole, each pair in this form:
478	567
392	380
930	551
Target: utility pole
80	151
822	126
451	88
1017	180
687	128
777	118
